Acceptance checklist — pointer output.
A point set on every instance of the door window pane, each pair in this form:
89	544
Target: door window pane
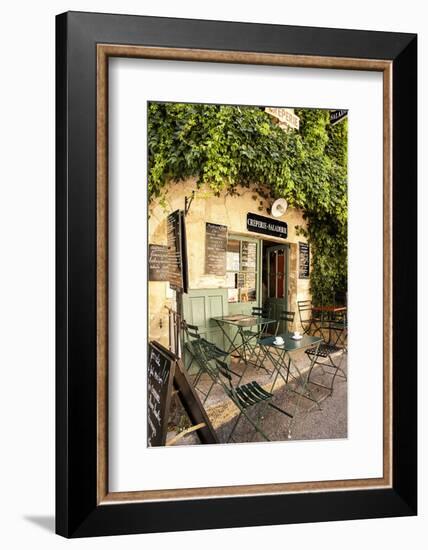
280	276
272	274
241	276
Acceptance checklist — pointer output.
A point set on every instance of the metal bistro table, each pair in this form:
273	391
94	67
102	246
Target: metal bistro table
241	344
284	366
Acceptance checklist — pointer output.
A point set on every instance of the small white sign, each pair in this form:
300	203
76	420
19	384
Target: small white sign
285	116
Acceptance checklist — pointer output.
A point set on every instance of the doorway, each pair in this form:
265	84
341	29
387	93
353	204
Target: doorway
275	279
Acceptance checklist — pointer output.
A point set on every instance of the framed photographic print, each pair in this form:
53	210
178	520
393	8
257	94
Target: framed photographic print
236	274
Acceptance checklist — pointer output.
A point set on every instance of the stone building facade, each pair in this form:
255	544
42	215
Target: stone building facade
213	295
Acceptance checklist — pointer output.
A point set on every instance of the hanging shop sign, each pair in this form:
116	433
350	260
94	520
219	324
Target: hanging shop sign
158	262
266	226
177	251
285	116
215	249
304	261
337	116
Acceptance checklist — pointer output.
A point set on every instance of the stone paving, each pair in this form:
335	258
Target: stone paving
326	421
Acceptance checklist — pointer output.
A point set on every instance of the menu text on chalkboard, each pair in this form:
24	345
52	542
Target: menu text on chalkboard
158	262
304	261
215	249
166	372
160	375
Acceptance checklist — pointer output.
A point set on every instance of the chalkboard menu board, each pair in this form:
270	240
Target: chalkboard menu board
160	374
165	372
158	262
215	249
304	261
177	251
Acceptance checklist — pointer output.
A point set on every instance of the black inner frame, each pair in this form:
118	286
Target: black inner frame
77	513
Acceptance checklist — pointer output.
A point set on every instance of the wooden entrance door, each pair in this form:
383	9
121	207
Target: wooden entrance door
277	281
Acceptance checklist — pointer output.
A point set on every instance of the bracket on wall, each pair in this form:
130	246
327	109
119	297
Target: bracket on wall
188	202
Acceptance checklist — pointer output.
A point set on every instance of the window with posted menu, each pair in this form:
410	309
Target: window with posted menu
241	270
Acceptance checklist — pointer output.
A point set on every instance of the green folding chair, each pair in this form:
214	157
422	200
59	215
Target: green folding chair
246	398
192	335
326	357
203	353
287	317
306	316
254	336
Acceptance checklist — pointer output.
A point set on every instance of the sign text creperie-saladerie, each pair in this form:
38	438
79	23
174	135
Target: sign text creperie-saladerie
266	226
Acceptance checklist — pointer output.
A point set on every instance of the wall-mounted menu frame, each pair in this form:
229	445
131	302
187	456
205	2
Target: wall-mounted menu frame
215	249
304	260
248	256
158	262
84	504
177	251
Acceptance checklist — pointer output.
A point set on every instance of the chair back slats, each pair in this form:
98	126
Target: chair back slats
287	316
305	314
192	331
252	398
304	305
223	369
263	311
260	391
244	398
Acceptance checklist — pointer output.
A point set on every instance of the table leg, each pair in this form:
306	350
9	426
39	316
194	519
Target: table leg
232	347
305	389
277	364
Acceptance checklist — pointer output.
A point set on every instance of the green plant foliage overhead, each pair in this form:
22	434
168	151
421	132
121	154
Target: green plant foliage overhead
225	147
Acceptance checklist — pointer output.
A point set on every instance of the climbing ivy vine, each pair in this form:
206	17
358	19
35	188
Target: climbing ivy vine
225	147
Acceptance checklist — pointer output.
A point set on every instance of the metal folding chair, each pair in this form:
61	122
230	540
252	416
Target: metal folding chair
253	337
246	397
323	357
192	346
306	315
262	312
204	353
288	317
338	330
